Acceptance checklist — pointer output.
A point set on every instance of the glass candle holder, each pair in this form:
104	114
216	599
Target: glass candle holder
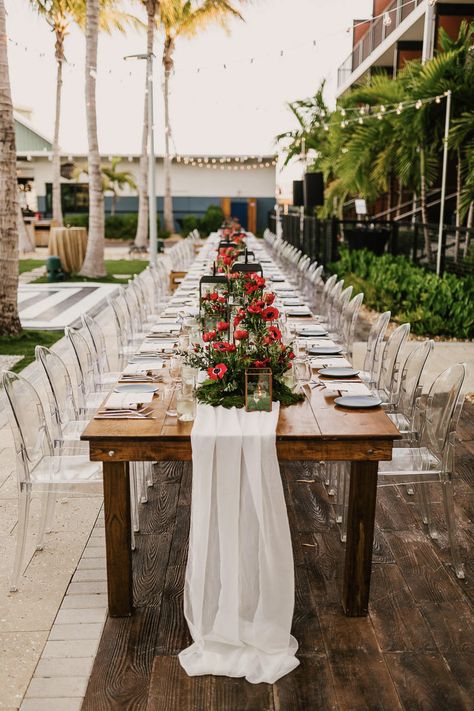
186	402
258	389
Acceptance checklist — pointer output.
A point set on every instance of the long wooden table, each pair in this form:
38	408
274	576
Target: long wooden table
314	430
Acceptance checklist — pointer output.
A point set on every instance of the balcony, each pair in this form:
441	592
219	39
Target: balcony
379	30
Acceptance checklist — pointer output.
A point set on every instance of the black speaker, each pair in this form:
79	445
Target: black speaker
313	189
298	193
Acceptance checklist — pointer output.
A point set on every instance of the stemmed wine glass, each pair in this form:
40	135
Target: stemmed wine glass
303	372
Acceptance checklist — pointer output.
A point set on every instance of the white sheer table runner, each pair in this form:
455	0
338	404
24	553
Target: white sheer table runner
239	589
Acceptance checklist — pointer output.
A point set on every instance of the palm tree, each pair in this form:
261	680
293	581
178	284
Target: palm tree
312	116
180	18
141	237
9	320
59	14
103	14
115	180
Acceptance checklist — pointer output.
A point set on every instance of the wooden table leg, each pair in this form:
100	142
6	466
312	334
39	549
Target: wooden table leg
360	536
118	538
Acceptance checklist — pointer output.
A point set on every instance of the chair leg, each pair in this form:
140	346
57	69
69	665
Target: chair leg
425	506
47	510
134	499
448	501
345	501
142	483
24	499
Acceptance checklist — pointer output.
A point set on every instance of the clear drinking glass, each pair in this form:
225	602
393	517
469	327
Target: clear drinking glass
302	369
301	348
186	401
175	367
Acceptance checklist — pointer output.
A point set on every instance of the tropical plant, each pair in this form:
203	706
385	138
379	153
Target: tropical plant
113	180
184	18
9	320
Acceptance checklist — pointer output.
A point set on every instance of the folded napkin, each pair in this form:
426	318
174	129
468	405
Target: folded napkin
143	366
155	345
129	400
347	388
165	328
320	343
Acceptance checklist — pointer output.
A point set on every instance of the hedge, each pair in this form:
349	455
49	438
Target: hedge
121	226
435	306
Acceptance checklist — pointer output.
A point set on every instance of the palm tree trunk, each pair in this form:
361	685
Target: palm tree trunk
9	320
94	262
57	208
470	220
141	237
113	205
457	238
424	212
399	200
168	200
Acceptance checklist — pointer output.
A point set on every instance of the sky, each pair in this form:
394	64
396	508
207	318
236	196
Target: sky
228	93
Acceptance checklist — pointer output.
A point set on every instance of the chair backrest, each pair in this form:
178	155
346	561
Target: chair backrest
410	379
374	346
441	413
85	371
98	342
389	379
60	390
28	423
337	307
349	321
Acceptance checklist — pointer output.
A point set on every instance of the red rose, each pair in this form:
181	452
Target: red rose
269	298
214	296
222	325
209	336
270	314
291	355
237	320
241	335
217	371
255	308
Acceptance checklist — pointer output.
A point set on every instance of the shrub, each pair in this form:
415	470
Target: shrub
189	223
120	226
209	222
435	306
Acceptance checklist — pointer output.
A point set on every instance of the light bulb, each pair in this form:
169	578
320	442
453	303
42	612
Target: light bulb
418	104
387	20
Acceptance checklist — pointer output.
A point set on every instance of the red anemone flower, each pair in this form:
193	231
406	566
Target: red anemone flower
261	363
209	336
241	335
270	313
222	325
269	298
217	371
274	333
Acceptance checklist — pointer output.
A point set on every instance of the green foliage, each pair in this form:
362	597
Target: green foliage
208	394
25	343
26	265
115	268
209	222
121	226
434	306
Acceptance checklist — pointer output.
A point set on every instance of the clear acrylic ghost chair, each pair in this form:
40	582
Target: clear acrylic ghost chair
390	371
314	286
66	422
371	368
432	461
40	467
89	394
99	348
332	296
126	345
402	411
350	316
338	304
327	288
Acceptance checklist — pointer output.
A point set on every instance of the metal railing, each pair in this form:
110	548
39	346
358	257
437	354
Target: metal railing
321	240
379	29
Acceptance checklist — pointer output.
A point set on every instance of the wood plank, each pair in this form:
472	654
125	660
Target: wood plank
308	687
398	623
121	672
173	633
171	689
360	534
118	538
423	681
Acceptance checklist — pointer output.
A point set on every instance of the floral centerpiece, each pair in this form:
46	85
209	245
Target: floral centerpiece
250	339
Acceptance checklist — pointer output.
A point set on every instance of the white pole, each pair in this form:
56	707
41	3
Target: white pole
151	171
443	181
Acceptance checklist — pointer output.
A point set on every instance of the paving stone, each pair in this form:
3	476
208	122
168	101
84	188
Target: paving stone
87	587
51	704
94	575
86	630
57	687
79	602
71	648
94	552
92	564
74	617
19	653
64	667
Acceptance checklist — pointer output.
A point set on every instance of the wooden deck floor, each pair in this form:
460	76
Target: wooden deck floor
415	651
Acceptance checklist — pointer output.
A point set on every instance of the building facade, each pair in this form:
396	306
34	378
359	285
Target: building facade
399	30
244	186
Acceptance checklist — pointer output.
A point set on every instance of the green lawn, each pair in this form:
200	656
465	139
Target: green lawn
25	343
113	266
26	265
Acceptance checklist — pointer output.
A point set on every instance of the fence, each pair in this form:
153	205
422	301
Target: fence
418	242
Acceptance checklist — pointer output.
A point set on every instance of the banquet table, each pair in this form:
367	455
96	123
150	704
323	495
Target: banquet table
313	430
69	244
